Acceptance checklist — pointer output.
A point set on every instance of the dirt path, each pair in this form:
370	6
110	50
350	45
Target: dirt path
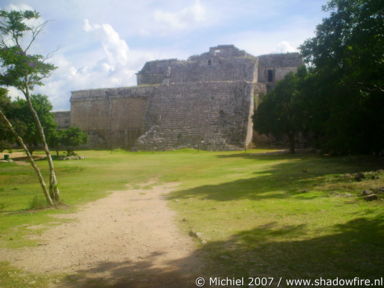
128	239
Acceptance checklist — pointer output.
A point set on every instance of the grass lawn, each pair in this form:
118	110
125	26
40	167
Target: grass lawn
257	214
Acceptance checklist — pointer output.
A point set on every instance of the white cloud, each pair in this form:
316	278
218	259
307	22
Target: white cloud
14	93
107	67
285	46
258	42
115	48
87	26
111	64
182	19
18	7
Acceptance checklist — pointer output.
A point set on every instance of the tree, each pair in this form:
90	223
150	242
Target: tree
71	138
6	138
24	71
5	101
347	57
67	139
54	140
279	114
25	124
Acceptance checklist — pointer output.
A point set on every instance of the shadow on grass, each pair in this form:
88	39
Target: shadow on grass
140	273
293	175
355	249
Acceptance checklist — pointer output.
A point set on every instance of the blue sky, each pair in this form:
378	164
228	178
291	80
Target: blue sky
97	44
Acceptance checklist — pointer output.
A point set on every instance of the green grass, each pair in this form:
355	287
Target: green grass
287	216
273	215
16	278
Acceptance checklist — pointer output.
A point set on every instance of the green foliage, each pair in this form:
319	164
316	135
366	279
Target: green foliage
281	114
20	69
13	22
347	57
67	139
54	139
24	123
337	103
24	71
5	100
71	138
20	115
6	138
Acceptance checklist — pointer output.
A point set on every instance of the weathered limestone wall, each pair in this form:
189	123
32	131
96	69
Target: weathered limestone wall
221	63
155	72
112	117
205	115
63	119
214	69
280	64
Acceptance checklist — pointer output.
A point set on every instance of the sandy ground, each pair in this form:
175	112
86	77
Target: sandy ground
127	239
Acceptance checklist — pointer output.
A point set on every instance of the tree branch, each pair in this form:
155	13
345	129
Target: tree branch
35	32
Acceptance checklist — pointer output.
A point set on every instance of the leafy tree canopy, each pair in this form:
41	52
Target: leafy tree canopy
281	113
71	138
21	117
19	68
6	138
347	60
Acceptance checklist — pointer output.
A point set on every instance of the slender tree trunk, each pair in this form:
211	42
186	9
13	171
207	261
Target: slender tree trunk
53	188
30	158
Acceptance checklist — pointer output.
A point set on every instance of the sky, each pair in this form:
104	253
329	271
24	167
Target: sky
103	43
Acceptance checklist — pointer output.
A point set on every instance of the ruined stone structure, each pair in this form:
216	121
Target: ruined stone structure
205	102
63	119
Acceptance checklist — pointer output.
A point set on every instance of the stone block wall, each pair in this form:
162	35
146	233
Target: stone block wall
113	118
155	72
214	69
279	64
202	115
63	119
221	63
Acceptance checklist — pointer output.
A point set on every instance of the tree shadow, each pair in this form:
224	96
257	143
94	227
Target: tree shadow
354	249
141	273
292	176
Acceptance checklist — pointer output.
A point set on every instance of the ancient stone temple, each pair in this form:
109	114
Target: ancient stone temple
205	102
